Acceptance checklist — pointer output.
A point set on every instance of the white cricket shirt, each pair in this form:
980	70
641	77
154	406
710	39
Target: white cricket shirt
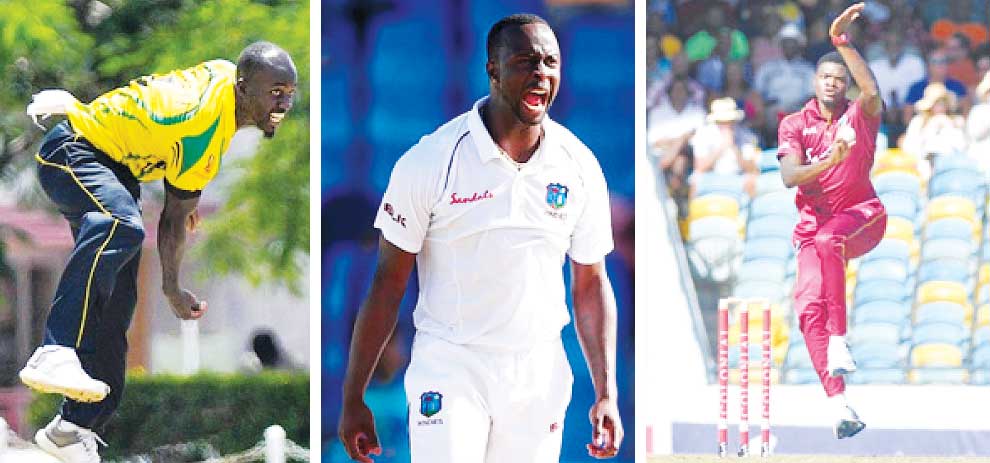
490	239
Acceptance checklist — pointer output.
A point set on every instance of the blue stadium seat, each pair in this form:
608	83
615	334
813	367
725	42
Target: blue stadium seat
981	356
940	333
879	290
895	313
900	205
762	270
877	376
882	269
940	312
890	249
949	163
768	162
938	376
769	182
797	356
961	182
771	226
981	336
776	203
877	354
979	377
896	181
770	290
945	270
767	248
728	185
883	333
947	248
949	227
801	376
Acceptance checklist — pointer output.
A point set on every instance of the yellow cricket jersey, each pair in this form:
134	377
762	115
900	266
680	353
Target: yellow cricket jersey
174	126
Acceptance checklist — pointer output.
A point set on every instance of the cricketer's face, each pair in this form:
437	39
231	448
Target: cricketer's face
831	81
268	95
527	72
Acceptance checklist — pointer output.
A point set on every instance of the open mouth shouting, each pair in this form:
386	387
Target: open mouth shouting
535	102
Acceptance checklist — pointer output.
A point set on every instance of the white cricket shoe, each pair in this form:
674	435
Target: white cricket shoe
78	444
840	361
848	425
56	370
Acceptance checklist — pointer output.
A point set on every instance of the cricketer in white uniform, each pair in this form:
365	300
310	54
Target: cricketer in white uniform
488	206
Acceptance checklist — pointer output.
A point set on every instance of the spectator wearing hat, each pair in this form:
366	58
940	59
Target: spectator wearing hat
724	147
784	83
936	129
938	72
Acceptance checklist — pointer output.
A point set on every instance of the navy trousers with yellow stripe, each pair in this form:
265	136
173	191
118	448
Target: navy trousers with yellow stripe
95	298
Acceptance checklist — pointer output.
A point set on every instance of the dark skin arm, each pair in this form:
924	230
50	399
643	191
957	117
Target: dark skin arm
794	172
595	321
372	329
869	95
177	215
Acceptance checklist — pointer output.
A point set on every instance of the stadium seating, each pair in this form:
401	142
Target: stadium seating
882	311
936	355
878	376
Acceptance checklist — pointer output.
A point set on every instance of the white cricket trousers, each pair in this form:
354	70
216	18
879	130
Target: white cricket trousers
476	405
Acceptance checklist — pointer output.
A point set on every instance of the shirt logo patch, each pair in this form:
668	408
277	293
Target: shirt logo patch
430	403
397	218
557	195
809	130
454	199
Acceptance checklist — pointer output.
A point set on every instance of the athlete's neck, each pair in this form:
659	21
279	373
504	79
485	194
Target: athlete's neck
517	139
828	110
241	118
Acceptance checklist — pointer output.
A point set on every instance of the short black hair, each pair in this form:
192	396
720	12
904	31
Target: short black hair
831	57
495	39
261	55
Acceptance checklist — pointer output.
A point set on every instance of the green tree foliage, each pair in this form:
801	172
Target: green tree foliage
89	47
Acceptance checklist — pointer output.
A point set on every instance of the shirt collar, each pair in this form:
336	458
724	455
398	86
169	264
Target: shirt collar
488	150
812	108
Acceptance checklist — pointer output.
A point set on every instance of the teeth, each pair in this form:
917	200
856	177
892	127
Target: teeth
277	117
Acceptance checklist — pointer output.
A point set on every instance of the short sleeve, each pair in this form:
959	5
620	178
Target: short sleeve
403	216
788	139
862	122
592	238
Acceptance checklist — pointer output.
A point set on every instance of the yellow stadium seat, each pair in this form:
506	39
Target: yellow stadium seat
901	229
936	355
983	316
895	161
984	274
952	206
713	205
933	291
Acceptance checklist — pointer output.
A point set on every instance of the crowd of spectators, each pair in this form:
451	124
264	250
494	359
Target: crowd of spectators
755	59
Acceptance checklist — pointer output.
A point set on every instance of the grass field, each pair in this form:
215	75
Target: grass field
814	459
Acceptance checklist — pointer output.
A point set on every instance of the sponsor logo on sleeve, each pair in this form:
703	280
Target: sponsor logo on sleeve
397	218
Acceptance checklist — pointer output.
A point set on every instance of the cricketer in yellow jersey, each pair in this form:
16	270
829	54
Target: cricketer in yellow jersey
175	127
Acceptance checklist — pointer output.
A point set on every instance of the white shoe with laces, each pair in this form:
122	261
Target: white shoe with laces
68	442
56	370
839	360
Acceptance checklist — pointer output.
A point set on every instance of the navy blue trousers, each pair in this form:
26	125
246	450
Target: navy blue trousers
95	298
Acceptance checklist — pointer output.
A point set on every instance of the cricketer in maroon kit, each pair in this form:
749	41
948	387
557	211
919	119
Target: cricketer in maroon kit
826	150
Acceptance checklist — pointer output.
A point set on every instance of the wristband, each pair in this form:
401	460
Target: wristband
840	40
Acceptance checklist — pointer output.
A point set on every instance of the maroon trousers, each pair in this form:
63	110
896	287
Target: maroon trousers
820	287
